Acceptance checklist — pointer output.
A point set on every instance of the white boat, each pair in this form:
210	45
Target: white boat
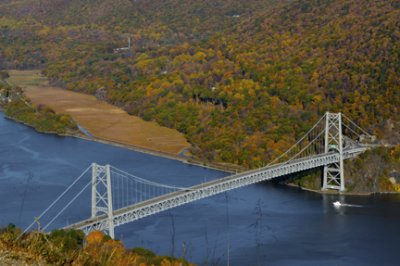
337	204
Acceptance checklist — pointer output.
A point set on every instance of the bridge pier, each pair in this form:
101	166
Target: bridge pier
333	175
102	195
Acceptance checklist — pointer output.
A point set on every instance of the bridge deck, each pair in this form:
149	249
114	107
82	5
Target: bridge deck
207	189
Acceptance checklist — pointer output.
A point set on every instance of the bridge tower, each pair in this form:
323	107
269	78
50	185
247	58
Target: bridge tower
333	177
102	195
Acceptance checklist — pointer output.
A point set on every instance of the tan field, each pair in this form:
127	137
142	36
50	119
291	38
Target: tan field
104	121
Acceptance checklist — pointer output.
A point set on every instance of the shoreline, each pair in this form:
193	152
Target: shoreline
332	192
102	119
187	160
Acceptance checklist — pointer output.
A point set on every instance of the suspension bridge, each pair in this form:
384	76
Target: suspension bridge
118	197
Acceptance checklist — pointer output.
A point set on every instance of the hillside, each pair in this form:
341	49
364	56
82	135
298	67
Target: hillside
72	247
241	81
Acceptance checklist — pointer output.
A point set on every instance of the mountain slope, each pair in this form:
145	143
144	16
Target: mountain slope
243	82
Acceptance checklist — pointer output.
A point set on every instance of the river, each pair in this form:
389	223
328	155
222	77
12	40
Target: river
263	224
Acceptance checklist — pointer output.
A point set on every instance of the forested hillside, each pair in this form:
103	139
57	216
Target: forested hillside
72	247
242	79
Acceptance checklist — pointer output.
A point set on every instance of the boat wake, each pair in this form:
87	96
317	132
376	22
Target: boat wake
338	204
352	205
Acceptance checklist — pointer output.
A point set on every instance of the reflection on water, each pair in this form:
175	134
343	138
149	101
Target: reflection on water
262	224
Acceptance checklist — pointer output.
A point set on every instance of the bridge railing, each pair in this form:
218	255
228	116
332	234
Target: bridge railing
210	188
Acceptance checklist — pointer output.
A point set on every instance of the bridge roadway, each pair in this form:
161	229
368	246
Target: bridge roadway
207	189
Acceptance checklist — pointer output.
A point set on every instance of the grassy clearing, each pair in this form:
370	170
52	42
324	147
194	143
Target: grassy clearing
27	78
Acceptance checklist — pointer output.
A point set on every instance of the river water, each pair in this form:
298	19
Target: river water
263	224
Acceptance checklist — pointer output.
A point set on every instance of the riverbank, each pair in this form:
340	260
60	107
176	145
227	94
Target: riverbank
104	121
40	117
24	114
187	160
334	192
183	159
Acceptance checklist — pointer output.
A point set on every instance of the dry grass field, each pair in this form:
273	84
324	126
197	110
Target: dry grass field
104	121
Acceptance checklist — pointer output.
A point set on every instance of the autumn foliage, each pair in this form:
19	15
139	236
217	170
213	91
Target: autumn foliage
72	248
242	81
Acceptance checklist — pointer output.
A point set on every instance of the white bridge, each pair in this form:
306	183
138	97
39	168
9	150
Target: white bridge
119	197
